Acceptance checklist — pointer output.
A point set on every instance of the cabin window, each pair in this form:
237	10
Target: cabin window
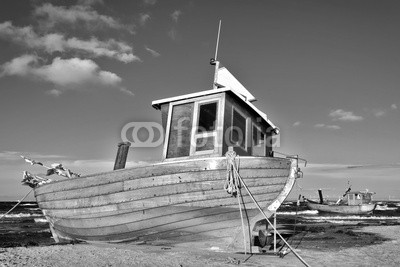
351	199
207	117
238	129
258	144
205	134
180	130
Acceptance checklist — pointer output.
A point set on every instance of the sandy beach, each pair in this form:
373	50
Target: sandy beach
382	250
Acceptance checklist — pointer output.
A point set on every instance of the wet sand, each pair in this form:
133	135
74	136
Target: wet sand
322	245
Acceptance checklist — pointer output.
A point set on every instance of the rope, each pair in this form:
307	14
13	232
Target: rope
4	215
243	228
236	173
294	228
231	183
232	187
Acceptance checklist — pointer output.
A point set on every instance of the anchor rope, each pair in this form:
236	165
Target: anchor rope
19	202
232	186
232	165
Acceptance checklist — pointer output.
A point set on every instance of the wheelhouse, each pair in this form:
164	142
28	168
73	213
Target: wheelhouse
207	123
358	197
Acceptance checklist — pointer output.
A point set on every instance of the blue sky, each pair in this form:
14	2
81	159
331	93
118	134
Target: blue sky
73	73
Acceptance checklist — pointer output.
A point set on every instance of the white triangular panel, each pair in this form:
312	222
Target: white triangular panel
226	79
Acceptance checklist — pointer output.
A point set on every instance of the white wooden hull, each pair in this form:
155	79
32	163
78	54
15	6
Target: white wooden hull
177	201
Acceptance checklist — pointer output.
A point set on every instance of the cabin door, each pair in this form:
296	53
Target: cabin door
204	134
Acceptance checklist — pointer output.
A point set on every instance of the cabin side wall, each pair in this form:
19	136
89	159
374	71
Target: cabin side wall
164	116
358	198
233	106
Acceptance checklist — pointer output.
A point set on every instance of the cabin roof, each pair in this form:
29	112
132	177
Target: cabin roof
157	103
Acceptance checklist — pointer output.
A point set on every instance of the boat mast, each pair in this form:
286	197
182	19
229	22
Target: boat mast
214	60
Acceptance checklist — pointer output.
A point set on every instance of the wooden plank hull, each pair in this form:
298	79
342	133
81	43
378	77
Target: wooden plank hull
177	201
343	209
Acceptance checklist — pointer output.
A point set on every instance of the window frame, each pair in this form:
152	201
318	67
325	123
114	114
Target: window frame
220	115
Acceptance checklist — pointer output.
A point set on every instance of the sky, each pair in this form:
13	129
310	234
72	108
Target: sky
74	73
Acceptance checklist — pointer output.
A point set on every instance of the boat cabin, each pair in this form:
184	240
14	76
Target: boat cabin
207	123
359	197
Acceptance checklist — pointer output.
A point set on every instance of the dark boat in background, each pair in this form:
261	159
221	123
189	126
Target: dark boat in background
352	202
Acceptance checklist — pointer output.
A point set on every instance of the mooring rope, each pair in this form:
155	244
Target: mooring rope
232	165
4	215
232	186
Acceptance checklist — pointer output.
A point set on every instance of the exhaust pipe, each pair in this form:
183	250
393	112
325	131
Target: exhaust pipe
321	198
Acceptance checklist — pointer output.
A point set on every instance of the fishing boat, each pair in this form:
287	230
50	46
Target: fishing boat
217	181
352	202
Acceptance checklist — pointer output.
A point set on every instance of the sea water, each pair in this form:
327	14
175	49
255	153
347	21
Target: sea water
23	226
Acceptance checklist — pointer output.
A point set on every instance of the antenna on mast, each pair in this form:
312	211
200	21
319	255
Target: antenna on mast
216	47
214	60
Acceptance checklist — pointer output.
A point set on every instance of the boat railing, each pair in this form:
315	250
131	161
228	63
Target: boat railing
297	158
288	156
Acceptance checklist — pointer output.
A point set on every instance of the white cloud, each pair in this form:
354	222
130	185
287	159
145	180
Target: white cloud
75	71
297	123
152	52
126	91
149	2
54	92
20	66
18	34
144	18
329	127
16	155
73	15
341	115
89	2
111	49
333	127
378	113
173	34
65	73
81	166
57	42
175	15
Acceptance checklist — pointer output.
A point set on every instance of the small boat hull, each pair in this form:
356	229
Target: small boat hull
342	209
173	202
